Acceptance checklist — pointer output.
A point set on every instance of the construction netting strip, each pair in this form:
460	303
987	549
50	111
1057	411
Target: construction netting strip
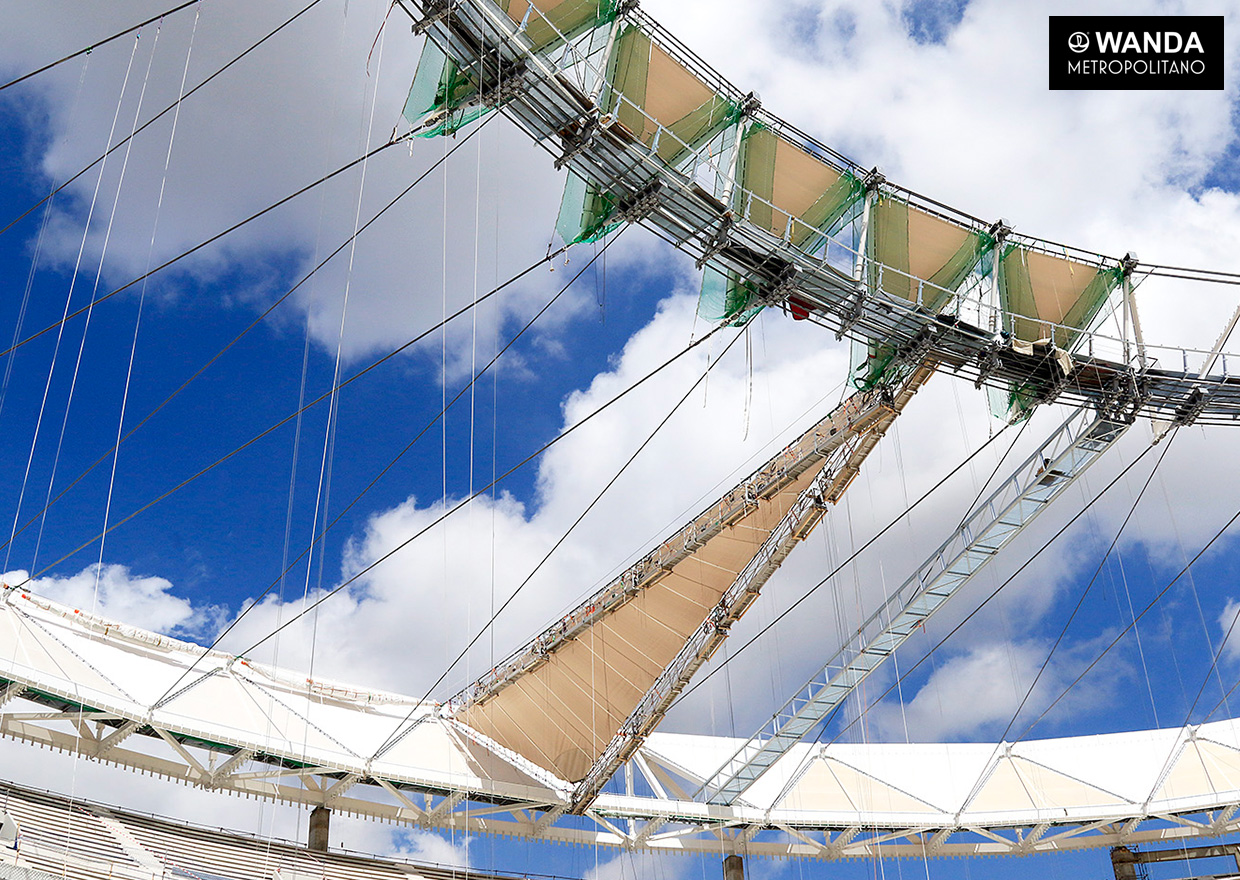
727	297
585	211
443	92
782	187
924	258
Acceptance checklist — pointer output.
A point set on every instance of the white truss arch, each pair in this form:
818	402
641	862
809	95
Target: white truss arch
80	683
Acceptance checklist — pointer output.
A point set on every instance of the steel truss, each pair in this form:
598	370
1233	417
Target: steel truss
563	116
1040	479
669	821
566	119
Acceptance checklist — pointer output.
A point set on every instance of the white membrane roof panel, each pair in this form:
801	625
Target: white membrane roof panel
67	655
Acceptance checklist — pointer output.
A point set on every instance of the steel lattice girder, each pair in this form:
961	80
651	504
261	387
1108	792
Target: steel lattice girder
549	105
1040	479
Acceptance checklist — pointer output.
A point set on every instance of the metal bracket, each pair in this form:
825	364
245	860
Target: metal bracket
511	83
873	179
915	352
577	142
1051	392
1192	407
988	362
784	286
717	242
641	203
852	314
433	11
1123	398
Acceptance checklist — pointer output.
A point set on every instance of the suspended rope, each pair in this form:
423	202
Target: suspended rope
1084	593
447	405
533	455
258	320
1161	593
804	596
486	627
174	105
73	279
96	45
107	237
931	652
193	250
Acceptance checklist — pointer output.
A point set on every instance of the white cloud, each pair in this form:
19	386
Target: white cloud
112	591
1227	623
300	107
451	851
969	121
631	866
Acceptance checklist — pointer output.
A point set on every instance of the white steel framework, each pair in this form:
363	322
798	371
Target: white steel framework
88	686
1039	480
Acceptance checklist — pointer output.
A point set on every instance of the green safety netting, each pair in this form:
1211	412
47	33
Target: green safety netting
1013	402
924	257
868	362
441	90
787	191
1048	302
548	23
659	101
1038	290
585	211
727	297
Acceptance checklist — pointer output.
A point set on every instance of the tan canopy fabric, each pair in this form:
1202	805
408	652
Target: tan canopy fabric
660	92
787	191
921	247
1038	290
562	714
549	22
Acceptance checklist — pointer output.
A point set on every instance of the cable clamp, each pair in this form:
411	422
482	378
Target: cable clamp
988	362
511	83
1192	407
717	242
852	313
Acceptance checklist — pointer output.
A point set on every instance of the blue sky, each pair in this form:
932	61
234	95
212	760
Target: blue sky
949	99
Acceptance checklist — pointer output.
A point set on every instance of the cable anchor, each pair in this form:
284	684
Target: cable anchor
988	361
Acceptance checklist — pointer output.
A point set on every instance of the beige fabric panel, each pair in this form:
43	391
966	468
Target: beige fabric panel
562	714
516	9
1057	284
932	242
800	181
844	789
672	93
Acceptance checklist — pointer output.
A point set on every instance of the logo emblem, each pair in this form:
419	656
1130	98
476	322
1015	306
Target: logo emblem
1078	42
